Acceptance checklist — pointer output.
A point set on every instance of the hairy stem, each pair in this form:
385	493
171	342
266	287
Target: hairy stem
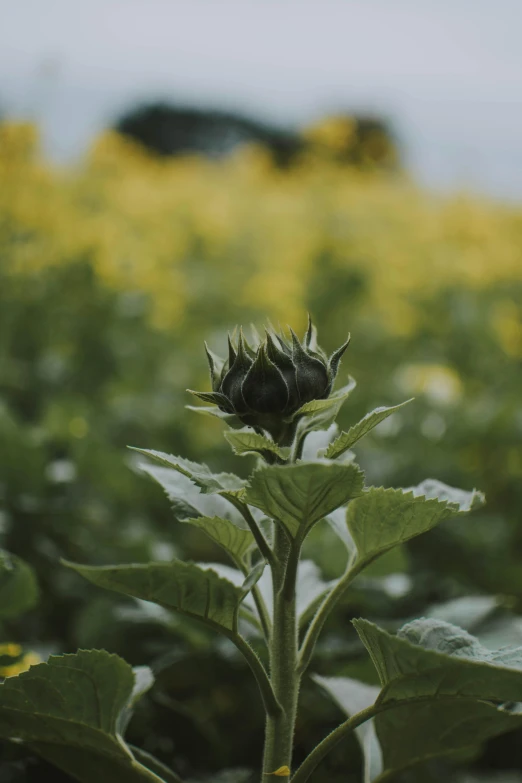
285	681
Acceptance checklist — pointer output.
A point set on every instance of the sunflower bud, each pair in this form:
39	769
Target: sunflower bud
265	384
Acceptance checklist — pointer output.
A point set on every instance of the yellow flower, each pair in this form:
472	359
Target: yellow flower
21	660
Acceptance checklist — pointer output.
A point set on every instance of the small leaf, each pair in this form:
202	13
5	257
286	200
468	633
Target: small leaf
281	772
347	439
383	518
233	539
301	495
352	697
247	442
182	587
69	711
200	474
18	586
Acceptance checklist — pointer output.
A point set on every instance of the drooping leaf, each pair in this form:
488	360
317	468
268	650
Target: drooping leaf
444	690
347	439
245	441
300	495
200	474
71	710
233	539
381	518
183	587
352	697
18	586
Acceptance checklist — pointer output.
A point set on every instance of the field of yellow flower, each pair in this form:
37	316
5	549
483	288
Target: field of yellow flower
185	230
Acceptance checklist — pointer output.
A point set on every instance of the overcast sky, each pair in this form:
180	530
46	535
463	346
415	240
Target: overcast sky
447	72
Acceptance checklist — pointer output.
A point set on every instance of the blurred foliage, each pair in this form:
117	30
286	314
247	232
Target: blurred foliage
111	275
169	129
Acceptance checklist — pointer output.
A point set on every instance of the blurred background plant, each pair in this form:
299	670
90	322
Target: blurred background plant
177	224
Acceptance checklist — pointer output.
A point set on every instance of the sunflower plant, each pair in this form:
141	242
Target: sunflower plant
439	689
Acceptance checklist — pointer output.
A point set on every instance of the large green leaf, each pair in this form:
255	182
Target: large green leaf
71	711
352	697
410	734
233	539
200	474
245	442
347	439
18	586
444	690
300	495
431	658
381	518
182	587
413	732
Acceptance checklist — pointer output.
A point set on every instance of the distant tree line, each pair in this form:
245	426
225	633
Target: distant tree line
171	130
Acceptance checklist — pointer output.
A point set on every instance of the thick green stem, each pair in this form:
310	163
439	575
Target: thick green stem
283	666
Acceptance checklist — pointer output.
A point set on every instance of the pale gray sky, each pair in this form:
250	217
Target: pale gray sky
447	72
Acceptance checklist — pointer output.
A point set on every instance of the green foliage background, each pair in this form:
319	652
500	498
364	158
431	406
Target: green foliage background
112	275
